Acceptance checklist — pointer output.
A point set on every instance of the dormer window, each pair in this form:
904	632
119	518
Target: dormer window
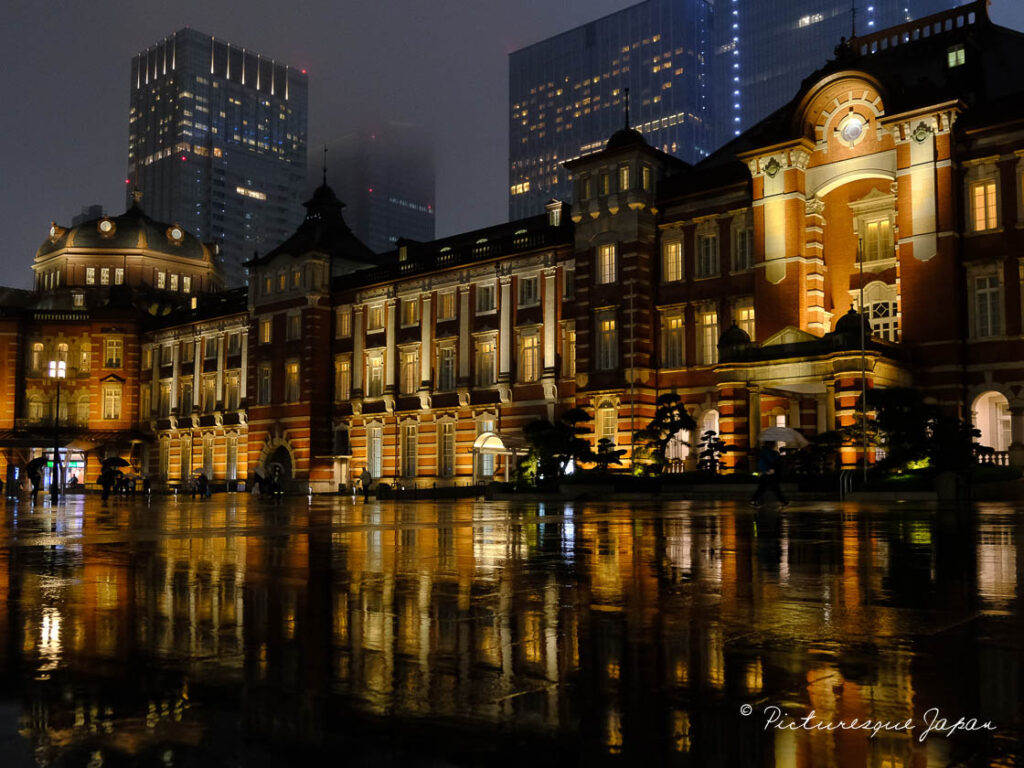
623	177
956	56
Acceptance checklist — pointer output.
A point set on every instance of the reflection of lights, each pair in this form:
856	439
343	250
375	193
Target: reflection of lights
49	636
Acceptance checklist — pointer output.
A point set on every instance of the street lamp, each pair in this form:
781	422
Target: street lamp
58	371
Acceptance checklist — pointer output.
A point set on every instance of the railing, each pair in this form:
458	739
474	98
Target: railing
916	30
996	458
845	483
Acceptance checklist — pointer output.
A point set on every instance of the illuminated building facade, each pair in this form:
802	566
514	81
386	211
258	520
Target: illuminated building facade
385	176
217	143
699	73
731	283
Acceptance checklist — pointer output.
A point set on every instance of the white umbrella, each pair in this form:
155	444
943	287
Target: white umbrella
782	435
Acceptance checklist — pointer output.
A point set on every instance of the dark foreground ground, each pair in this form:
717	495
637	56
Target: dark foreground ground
231	632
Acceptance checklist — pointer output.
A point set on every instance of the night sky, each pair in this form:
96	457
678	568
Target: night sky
443	63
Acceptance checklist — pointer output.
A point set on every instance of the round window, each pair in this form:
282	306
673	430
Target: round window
852	130
106	225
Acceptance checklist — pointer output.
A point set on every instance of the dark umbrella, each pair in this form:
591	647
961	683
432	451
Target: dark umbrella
115	461
35	466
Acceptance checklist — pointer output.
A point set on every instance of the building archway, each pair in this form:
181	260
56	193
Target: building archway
991	415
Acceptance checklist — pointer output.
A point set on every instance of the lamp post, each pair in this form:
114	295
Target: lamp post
58	370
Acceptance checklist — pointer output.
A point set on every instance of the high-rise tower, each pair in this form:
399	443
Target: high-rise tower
217	143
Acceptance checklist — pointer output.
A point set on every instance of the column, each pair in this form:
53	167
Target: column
464	335
754	423
357	350
426	351
505	334
220	369
154	383
197	375
389	354
176	376
1017	435
245	367
550	324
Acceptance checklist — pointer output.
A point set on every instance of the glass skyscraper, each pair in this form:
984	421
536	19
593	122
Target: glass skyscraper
217	143
699	72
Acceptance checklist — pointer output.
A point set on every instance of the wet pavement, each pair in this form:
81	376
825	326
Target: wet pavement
234	631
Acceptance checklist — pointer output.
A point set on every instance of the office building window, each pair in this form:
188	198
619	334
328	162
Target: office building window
105	276
446	368
647	178
291	381
375	318
606	264
446	306
174	282
983	205
955	56
164	404
111	401
485	362
118	275
607	341
266	331
743	248
188	352
231	391
446	449
410	434
374	451
343	380
186	284
607	423
529	291
674	341
343	329
708	337
161	280
745	317
569	351
264	386
211	347
623	177
410	312
410	371
986	306
529	357
113	352
672	261
707	255
234	344
485	298
294	327
375	375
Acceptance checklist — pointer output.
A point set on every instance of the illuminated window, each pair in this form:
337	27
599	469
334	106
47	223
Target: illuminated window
111	401
607	341
623	177
446	306
883	319
374	450
185	403
211	346
707	255
186	284
231	392
674	341
568	350
375	376
342	380
375	318
268	286
282	281
231	458
529	291
188	352
209	393
174	282
606	425
147	358
161	280
113	351
485	465
877	240
745	317
234	343
446	368
266	331
410	434
118	275
983	205
410	312
410	365
245	191
90	275
485	362
606	264
105	276
955	56
529	357
296	278
606	183
343	328
672	261
37	357
645	173
291	381
446	449
708	337
485	298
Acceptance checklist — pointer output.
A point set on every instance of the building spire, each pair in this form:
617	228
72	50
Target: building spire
325	165
627	108
853	19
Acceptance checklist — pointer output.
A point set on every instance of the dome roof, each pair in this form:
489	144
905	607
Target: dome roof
133	229
626	137
733	336
850	323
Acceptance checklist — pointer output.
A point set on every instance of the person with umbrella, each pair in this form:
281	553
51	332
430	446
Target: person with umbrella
34	472
770	464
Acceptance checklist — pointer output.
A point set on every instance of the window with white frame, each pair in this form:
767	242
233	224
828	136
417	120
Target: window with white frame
623	177
409	379
883	318
529	291
745	316
113	353
234	344
209	394
410	312
375	451
955	56
607	263
607	340
161	280
83	357
987	315
410	434
485	465
342	379
232	391
90	276
263	389
294	332
446	367
118	275
343	323
607	422
529	356
36	362
375	374
742	246
446	306
111	400
708	319
877	239
486	350
674	340
174	281
569	350
485	298
186	284
446	449
707	254
375	318
984	205
672	261
291	381
105	276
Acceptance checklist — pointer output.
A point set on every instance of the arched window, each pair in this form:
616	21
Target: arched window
607	422
992	418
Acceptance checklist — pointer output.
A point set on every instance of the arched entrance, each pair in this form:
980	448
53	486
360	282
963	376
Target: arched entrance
992	418
280	460
677	452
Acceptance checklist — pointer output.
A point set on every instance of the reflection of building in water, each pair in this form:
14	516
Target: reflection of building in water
645	635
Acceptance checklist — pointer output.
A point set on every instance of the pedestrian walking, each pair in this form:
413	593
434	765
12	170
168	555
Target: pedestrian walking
770	466
366	480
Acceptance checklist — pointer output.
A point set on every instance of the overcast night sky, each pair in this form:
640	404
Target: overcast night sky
443	63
